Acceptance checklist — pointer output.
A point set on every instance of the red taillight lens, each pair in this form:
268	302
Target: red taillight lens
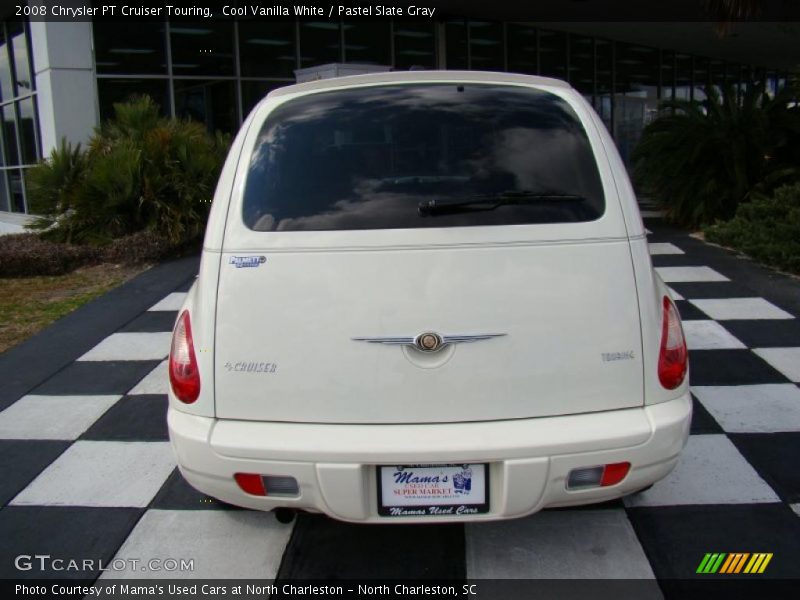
614	473
183	373
251	483
672	358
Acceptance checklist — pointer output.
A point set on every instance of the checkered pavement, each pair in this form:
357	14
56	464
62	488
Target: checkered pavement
86	469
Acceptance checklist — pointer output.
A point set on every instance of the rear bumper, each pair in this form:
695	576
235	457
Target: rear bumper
529	459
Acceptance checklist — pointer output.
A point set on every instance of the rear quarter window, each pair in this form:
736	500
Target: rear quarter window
421	155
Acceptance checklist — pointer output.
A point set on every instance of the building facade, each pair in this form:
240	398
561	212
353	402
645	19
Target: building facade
60	79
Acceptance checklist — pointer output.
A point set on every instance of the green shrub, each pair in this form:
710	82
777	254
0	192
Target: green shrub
27	255
138	248
140	172
701	159
767	228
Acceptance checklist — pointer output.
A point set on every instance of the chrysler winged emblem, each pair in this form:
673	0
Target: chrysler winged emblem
429	341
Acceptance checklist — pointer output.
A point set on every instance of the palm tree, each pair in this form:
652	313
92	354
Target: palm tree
701	159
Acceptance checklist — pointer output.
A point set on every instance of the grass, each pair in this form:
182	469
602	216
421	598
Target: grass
30	304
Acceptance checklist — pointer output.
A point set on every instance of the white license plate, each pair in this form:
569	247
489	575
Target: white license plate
433	490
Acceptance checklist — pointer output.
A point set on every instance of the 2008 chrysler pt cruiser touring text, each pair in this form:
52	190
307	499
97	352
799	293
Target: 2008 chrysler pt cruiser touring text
426	297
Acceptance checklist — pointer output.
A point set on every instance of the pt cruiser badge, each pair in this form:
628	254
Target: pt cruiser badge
429	341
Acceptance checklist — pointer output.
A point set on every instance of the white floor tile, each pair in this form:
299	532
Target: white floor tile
155	382
585	544
52	417
675	295
752	408
173	301
711	471
223	544
664	248
651	214
689	274
709	335
740	308
131	346
786	360
796	508
102	474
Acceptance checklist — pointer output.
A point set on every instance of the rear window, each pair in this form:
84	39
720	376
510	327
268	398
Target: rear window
422	155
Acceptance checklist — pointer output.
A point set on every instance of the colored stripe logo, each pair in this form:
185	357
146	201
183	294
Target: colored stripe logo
734	563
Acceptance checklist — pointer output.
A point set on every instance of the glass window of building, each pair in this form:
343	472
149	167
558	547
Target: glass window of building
683	77
553	54
19	45
253	91
603	104
124	50
267	48
701	77
486	46
28	134
6	82
716	74
367	42
320	43
581	65
667	75
112	91
9	135
212	102
456	45
414	44
202	47
522	55
636	98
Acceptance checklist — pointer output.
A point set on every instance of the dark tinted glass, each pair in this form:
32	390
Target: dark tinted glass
456	45
27	131
112	91
211	102
6	85
486	46
267	48
254	91
414	44
19	40
122	49
367	42
553	54
522	49
202	47
366	159
9	123
320	43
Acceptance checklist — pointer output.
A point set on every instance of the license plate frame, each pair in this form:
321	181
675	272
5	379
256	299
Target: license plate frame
448	504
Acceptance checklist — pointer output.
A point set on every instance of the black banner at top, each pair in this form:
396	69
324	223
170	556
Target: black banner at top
440	10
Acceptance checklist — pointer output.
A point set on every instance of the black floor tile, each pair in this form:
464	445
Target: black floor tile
157	320
730	367
689	312
132	418
66	533
675	260
22	460
702	421
177	494
765	333
676	538
774	456
97	377
712	289
321	548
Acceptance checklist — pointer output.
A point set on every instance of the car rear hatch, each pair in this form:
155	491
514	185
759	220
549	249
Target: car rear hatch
327	281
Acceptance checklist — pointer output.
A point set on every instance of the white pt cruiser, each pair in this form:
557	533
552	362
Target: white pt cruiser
426	297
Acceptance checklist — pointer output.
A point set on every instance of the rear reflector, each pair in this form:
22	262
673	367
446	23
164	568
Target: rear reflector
267	485
251	483
600	476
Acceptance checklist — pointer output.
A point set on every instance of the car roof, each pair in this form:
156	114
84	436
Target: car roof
417	77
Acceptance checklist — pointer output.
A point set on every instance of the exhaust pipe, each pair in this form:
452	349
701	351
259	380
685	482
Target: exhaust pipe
284	515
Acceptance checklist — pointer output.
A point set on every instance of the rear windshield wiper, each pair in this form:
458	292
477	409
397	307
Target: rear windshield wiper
483	202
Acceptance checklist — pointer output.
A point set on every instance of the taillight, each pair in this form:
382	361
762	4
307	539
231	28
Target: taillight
183	373
673	355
